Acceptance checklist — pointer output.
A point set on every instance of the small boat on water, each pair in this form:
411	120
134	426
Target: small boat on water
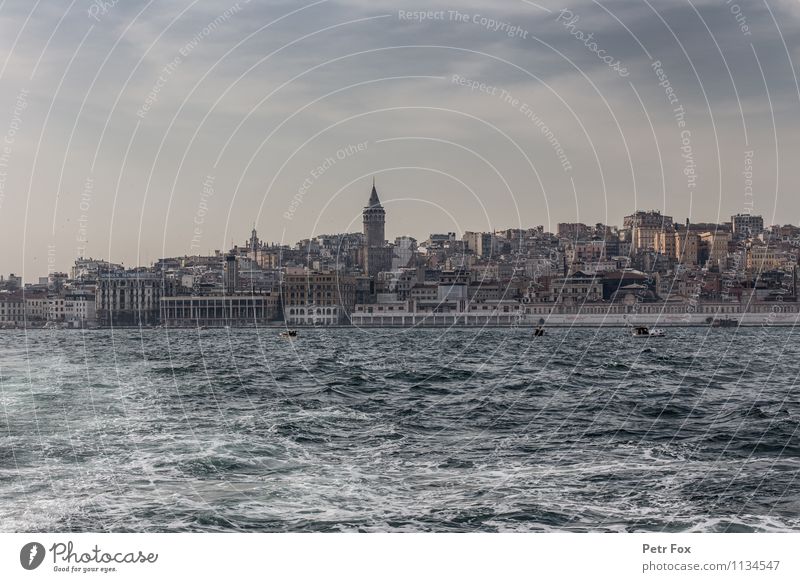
642	331
289	333
538	332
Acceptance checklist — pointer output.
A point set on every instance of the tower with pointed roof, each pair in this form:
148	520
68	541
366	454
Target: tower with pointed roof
374	217
376	255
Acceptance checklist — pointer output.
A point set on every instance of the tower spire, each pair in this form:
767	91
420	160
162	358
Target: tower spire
373	196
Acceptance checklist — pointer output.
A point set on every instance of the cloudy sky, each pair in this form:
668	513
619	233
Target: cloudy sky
132	130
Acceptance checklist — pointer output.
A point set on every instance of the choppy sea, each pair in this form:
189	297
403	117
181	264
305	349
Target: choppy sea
399	430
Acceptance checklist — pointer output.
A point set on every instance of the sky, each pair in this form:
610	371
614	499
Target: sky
133	130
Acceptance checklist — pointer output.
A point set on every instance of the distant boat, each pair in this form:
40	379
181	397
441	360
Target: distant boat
538	332
727	322
642	331
289	333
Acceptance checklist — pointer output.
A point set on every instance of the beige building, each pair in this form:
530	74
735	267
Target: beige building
764	258
576	289
717	244
687	245
586	251
480	243
644	226
664	243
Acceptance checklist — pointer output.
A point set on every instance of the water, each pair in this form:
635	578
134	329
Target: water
399	430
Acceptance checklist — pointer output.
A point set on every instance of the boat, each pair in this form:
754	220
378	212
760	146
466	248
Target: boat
289	333
642	331
727	322
538	332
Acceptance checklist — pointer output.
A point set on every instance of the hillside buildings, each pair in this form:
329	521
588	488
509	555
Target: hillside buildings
652	267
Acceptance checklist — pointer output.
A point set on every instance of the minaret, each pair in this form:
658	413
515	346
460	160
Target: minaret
374	220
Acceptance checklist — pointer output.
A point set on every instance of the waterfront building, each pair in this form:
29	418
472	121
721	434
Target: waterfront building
316	315
576	289
488	292
617	280
219	310
130	297
79	310
55	308
438	313
36	307
426	291
632	311
319	298
12	310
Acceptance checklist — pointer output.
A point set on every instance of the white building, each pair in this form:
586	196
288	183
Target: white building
438	313
80	310
311	314
36	307
55	308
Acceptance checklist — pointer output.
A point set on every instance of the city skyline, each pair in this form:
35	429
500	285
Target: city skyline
392	241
